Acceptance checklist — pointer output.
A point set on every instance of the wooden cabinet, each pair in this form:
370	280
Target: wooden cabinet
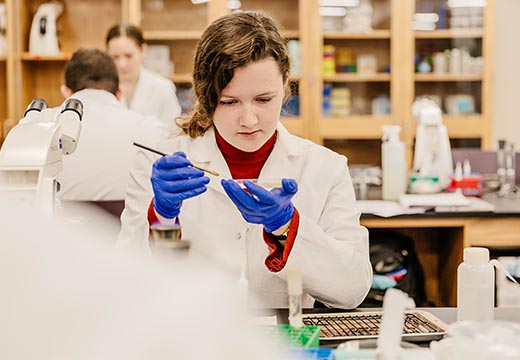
392	42
177	24
81	24
357	130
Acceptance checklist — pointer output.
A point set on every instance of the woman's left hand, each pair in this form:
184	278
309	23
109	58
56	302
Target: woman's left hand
271	208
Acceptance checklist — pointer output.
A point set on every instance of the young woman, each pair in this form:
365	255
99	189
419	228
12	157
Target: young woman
310	221
143	90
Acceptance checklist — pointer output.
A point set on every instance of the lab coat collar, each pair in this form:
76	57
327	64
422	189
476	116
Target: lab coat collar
204	152
96	96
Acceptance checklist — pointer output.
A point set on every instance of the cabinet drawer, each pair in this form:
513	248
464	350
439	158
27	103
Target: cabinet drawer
503	232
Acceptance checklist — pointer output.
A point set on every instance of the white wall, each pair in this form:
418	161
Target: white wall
506	82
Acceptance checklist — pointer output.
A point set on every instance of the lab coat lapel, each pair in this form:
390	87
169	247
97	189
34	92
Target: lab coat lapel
279	164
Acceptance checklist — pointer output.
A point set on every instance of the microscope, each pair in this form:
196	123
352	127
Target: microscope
3	29
43	39
31	155
432	155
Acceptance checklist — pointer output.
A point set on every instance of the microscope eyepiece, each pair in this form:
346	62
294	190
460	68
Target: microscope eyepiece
36	104
73	105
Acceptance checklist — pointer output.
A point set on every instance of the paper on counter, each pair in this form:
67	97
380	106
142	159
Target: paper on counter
433	200
475	204
385	208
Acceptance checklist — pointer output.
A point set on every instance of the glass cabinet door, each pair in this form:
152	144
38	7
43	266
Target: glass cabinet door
356	58
172	29
356	77
449	63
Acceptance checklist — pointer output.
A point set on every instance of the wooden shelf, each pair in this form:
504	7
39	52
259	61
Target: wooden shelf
26	56
376	34
449	34
290	34
465	126
354	127
182	78
172	35
293	124
188	78
421	77
355	77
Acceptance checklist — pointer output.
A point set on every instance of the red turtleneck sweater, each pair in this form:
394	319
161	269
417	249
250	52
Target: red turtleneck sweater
247	165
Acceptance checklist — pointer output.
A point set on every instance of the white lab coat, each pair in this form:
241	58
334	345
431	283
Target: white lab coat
154	95
98	169
331	247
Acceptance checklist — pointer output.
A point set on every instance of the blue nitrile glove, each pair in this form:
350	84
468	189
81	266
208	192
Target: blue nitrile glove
260	206
174	180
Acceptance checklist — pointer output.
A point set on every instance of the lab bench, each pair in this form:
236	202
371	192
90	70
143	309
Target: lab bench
448	315
439	240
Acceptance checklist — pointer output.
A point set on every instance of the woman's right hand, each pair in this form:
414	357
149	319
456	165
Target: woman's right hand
174	180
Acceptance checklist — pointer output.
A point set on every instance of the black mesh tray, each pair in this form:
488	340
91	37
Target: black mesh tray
418	326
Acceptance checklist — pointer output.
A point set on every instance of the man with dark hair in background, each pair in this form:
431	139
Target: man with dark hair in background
99	168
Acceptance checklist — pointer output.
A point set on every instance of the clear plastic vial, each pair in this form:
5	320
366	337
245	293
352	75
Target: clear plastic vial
394	176
475	286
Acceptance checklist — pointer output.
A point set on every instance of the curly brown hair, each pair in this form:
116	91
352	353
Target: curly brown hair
230	42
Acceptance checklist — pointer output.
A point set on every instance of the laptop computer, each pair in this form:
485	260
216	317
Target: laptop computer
418	326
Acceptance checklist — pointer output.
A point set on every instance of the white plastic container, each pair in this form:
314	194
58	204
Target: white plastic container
394	176
475	286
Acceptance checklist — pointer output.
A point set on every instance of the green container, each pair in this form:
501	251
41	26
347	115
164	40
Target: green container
305	337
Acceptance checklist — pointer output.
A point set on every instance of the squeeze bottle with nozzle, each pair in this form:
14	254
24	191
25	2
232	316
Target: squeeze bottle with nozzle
475	286
393	163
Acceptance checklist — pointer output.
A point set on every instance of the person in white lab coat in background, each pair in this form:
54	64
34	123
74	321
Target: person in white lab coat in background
98	169
310	221
143	90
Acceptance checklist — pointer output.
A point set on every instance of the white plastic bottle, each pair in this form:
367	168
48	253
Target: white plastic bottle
475	286
393	163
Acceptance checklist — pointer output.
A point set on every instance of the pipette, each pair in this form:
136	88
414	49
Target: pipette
295	291
164	154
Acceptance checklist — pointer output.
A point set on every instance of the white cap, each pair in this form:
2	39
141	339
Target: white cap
476	255
391	132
